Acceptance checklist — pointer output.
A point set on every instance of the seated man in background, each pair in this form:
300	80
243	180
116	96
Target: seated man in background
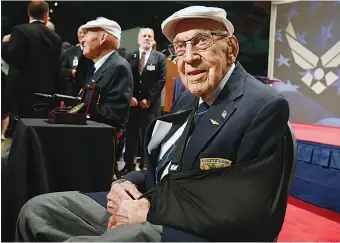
110	71
241	120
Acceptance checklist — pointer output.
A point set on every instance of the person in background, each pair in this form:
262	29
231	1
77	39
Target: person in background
154	45
110	71
71	75
50	25
65	45
33	51
4	73
149	75
122	51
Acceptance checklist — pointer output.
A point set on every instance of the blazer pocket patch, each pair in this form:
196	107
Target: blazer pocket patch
213	163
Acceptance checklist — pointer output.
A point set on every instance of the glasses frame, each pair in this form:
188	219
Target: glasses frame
212	33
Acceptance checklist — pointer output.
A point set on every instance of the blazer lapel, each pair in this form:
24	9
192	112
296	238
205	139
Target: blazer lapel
219	113
99	73
134	61
150	62
177	119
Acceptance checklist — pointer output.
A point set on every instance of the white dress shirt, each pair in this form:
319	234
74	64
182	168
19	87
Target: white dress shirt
167	144
101	61
81	47
34	20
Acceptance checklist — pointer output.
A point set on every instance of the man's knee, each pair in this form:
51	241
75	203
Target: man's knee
40	209
39	212
29	219
32	208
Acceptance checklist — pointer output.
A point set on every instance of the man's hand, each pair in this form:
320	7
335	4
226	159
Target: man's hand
6	38
74	71
133	102
130	212
121	190
145	103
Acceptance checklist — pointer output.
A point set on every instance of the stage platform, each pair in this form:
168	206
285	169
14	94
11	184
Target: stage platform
317	176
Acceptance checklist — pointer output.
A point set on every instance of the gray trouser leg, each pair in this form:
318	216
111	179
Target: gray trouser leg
60	216
142	232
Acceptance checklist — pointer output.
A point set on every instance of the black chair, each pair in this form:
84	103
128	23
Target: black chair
291	151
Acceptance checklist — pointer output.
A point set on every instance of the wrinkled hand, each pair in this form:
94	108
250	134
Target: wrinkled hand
129	212
145	103
121	190
133	102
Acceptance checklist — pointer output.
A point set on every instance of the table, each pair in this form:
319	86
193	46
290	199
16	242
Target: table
317	175
54	157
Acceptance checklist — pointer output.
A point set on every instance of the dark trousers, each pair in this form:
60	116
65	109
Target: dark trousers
139	119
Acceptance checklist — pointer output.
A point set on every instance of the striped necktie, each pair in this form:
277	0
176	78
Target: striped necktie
168	156
141	63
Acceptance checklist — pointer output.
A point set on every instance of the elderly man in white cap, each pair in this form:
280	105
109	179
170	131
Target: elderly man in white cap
110	71
189	193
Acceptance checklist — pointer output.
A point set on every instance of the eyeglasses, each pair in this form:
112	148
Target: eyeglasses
199	42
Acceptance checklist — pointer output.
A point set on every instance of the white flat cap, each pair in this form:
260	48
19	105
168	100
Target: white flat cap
218	14
108	25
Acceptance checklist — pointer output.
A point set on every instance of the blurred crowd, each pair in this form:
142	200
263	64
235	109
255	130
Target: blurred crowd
36	60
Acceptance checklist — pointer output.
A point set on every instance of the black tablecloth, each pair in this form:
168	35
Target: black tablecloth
54	157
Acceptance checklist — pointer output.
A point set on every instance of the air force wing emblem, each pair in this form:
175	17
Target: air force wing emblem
307	60
214	122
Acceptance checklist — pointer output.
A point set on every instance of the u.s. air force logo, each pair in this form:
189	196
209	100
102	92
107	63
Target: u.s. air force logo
212	163
307	60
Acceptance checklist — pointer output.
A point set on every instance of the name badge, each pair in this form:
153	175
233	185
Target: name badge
150	67
75	62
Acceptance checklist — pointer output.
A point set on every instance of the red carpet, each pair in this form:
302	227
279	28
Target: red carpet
306	222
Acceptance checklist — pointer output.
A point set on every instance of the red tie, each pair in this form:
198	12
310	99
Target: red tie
141	63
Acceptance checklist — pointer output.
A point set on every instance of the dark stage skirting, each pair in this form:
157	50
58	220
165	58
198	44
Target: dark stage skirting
317	175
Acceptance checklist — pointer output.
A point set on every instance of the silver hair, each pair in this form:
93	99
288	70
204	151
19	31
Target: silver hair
148	29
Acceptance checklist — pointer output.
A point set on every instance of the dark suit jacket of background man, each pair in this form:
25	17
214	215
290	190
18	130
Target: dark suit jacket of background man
34	52
149	85
116	82
255	119
72	85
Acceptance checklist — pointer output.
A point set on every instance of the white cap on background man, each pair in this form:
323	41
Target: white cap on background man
110	26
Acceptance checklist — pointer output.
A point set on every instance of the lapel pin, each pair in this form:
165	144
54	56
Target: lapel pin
224	114
134	55
214	122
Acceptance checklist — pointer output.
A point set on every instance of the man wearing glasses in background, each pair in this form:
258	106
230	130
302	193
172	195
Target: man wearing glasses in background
241	120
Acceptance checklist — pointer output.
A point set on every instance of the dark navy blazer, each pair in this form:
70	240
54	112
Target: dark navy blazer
252	118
